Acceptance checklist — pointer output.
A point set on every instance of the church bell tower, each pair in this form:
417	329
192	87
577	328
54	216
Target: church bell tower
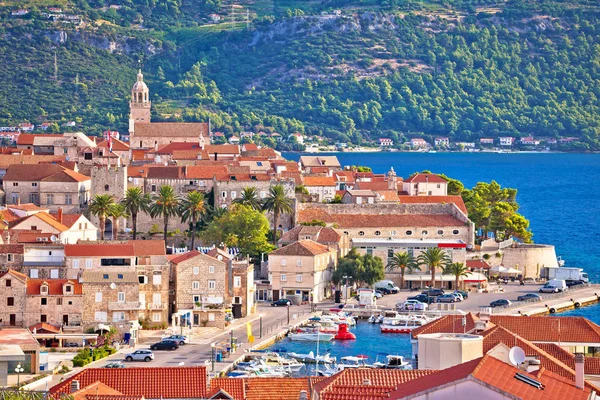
140	102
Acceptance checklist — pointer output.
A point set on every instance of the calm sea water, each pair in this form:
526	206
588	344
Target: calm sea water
558	193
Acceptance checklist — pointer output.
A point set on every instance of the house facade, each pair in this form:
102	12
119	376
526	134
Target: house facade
425	185
58	302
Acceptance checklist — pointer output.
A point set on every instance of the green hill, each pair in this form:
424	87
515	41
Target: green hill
348	71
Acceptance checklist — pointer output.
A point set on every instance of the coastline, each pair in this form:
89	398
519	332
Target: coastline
312	151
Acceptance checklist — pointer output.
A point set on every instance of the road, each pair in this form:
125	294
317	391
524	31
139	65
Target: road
198	351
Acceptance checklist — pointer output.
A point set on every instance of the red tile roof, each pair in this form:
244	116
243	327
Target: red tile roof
457	200
44	217
318	181
262	388
185	256
305	248
211	149
148	247
349	384
44	326
150	382
7	160
16	274
55	286
67	219
379	221
99	249
323	235
424	178
169	148
446	324
379	185
478	264
550	329
26	139
11	248
31	172
499	375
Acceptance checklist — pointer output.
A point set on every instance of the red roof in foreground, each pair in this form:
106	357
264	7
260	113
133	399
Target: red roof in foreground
489	371
262	388
457	200
425	178
150	382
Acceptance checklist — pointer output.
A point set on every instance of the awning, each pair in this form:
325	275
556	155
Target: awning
474	277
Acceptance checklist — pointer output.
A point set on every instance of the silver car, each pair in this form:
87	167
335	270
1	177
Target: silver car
140	355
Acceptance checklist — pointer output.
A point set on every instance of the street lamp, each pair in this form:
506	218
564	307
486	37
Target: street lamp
260	322
19	370
212	356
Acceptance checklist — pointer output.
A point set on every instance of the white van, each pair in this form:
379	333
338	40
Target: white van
554	286
388	285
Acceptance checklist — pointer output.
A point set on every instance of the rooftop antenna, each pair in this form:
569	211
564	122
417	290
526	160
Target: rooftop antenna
516	356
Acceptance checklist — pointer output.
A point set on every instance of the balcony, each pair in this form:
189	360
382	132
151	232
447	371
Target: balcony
123	306
157	306
208	307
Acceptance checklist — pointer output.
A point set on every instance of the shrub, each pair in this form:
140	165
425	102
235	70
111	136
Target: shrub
486	256
498	254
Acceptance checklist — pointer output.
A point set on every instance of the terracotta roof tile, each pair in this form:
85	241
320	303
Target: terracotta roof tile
11	248
47	218
31	172
318	181
423	178
169	148
550	329
44	326
26	207
319	161
55	286
264	152
150	382
324	235
68	219
211	149
478	264
22	277
387	195
457	200
7	160
499	375
171	129
26	139
99	249
371	185
446	324
185	256
148	247
307	248
93	276
371	220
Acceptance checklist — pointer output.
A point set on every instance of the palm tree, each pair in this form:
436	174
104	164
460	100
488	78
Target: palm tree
191	210
135	201
403	261
278	203
117	211
457	269
249	198
433	258
101	206
165	204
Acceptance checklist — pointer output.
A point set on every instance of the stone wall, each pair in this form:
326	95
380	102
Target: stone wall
149	308
531	259
111	181
69	305
90	306
16	290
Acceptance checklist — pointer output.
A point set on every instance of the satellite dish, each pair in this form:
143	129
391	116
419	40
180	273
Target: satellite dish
113	286
220	257
53	238
181	364
130	179
516	355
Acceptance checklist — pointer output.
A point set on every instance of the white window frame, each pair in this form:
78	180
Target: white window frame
76	264
101	316
54	274
195	285
121	297
299	262
196	270
33	273
283	278
233	194
88	264
211	317
212	284
118	316
298	278
237	281
211	269
157	279
98	297
155	297
156	317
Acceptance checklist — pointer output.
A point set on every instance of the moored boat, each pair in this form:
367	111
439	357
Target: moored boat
402	325
311	337
394	362
310	358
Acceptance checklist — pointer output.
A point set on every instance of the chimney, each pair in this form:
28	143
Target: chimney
19	200
59	214
579	370
74	385
303	395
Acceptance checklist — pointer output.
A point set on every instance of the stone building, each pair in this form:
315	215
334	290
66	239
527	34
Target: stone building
144	134
112	181
66	228
324	235
58	302
302	270
52	186
13	287
425	185
310	163
154	294
321	188
199	284
11	256
110	298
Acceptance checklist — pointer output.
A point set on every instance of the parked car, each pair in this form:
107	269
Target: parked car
377	294
387	284
412	305
281	303
433	292
70	344
529	296
140	355
463	293
571	282
457	296
180	339
447	298
423	298
500	302
115	365
165	345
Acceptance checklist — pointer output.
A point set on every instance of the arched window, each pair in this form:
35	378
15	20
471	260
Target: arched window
139	97
440	232
424	233
361	233
345	232
106	187
377	233
408	233
455	231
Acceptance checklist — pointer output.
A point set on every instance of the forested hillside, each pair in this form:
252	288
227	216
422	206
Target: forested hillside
345	70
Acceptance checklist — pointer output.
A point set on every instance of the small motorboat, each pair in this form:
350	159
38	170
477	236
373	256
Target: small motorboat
402	325
310	358
375	319
354	362
286	363
394	362
311	337
344	334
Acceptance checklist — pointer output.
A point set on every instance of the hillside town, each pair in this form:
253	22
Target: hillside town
100	237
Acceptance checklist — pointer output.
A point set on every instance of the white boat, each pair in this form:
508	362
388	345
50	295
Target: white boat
353	362
310	358
376	319
394	362
402	325
311	337
276	360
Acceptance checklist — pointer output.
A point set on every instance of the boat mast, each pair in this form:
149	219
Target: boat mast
317	357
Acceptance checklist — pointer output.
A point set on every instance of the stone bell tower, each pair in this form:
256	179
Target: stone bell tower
140	101
391	180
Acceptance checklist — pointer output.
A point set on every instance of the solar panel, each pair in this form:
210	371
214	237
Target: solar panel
530	381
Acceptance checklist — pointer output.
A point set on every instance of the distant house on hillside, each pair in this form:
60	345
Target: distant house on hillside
486	141
20	12
442	141
418	143
529	141
385	142
507	141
